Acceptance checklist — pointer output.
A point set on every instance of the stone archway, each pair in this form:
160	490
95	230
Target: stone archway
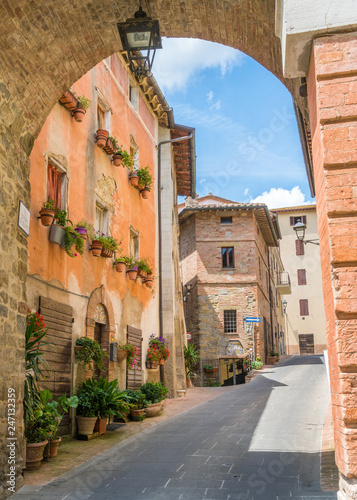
46	46
100	313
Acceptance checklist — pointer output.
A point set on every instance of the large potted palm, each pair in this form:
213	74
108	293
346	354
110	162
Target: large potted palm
192	358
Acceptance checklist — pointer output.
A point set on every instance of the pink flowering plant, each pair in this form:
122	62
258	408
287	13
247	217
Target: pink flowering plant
132	357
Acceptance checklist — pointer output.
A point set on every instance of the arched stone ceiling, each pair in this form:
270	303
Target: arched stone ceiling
48	45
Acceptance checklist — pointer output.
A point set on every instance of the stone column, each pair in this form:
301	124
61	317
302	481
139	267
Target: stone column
332	98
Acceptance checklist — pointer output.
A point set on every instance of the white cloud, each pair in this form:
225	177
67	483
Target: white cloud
210	96
279	198
181	59
246	191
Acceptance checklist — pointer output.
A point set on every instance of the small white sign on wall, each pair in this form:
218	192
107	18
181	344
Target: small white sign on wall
24	218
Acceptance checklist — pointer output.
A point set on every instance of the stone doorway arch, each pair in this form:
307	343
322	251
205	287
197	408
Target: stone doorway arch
100	324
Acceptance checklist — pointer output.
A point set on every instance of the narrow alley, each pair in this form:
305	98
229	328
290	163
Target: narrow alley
260	441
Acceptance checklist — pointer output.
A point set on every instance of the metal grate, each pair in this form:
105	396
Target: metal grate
230	321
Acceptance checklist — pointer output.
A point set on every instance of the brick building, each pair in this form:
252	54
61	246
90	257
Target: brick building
305	331
84	295
231	270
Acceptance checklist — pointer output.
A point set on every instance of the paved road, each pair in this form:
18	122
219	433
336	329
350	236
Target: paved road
260	441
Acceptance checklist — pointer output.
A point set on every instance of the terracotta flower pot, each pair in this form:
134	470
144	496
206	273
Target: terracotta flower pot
134	179
145	193
149	282
86	425
102	136
68	100
109	148
153	409
135	415
101	425
78	113
122	354
54	444
120	267
47	216
132	273
107	253
34	454
117	159
162	361
96	248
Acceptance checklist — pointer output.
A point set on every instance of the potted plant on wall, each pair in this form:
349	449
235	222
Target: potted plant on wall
118	155
47	212
137	405
73	239
84	228
58	230
162	345
132	267
101	137
109	246
96	243
119	264
153	357
89	354
145	181
82	105
109	145
68	100
143	268
131	354
192	358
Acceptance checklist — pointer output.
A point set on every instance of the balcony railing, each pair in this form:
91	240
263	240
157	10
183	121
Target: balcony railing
283	284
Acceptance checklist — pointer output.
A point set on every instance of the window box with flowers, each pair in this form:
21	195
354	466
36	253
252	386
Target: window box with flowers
162	345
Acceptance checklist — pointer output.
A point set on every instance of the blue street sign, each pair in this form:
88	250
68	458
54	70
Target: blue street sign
252	320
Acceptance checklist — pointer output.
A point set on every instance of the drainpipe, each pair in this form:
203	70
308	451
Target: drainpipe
161	327
270	301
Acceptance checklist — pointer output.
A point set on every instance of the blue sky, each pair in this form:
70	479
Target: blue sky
247	142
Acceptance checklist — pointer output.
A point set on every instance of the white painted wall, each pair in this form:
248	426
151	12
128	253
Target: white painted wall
315	322
298	22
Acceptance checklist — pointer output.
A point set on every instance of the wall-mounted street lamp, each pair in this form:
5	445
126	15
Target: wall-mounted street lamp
299	229
285	305
140	37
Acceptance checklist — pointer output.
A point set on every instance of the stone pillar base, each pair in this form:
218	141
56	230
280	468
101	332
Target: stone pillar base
348	488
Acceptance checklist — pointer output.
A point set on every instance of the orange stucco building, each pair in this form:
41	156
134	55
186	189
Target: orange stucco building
84	295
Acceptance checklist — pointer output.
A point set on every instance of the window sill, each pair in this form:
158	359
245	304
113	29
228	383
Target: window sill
228	269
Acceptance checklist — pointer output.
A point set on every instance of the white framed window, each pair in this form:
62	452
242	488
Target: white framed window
104	112
101	223
57	183
134	243
134	95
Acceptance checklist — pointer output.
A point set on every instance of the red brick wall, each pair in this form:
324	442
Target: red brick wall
332	95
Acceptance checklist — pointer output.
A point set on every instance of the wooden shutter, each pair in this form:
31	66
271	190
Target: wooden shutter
303	219
304	307
54	186
291	221
134	378
301	274
300	250
58	319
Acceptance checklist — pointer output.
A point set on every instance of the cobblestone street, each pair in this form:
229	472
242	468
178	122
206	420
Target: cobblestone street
261	440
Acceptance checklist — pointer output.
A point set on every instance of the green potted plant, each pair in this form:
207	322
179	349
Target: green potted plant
73	239
58	228
210	368
82	105
143	268
89	354
132	267
96	243
110	402
84	228
118	157
154	395
134	177
53	411
87	409
192	358
119	264
137	405
109	145
37	429
145	181
109	246
47	212
256	365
